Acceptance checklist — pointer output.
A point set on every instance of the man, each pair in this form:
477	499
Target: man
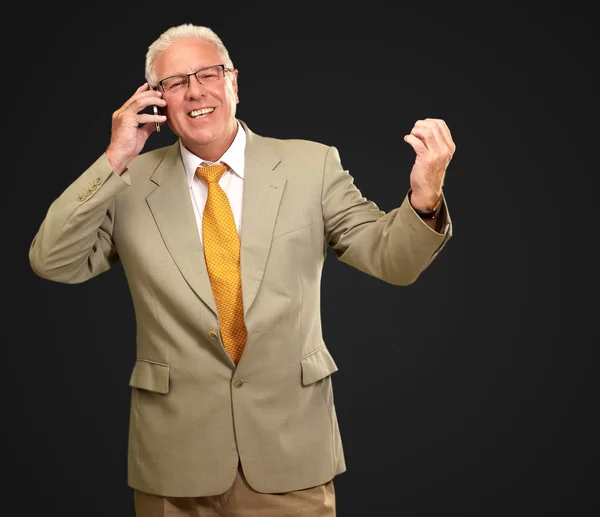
232	406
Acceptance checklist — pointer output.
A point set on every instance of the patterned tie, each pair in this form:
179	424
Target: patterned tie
222	252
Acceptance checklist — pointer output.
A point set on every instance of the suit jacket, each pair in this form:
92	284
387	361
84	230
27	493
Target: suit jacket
194	415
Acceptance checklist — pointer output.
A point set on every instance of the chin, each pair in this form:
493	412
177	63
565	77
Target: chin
198	137
204	135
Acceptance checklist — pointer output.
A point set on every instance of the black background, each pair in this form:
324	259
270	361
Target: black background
469	392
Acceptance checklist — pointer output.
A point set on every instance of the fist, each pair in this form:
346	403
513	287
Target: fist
434	147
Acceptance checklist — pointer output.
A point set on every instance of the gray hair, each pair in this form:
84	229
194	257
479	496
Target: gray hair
184	31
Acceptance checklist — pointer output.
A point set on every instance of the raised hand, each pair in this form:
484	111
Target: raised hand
432	141
127	136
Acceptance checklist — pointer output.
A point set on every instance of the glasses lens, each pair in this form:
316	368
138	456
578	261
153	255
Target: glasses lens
210	74
175	83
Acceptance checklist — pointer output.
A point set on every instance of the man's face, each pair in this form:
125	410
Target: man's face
206	135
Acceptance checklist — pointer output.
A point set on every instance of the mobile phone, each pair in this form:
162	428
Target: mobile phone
156	112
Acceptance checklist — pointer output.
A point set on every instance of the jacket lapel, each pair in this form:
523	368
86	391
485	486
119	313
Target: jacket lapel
263	189
172	210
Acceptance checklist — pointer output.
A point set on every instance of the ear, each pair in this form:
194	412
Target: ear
234	84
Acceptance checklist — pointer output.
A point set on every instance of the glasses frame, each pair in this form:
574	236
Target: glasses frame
223	68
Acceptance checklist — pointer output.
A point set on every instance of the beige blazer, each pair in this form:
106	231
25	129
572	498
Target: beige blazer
193	413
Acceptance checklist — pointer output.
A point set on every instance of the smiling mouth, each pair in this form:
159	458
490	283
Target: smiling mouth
201	113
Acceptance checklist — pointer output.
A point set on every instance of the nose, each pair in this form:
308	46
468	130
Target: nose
195	87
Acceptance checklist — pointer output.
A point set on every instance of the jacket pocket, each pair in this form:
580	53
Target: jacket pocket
317	365
289	223
151	376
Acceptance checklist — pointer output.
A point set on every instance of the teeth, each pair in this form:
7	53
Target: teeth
201	113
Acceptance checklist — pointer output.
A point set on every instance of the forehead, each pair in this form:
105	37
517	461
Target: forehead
186	56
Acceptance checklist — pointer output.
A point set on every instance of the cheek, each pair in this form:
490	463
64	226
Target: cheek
176	113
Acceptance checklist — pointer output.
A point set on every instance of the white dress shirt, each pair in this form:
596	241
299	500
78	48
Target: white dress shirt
232	181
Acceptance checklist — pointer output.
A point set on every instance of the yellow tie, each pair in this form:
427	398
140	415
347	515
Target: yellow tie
222	252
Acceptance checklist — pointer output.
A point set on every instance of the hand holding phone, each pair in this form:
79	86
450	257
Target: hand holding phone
130	129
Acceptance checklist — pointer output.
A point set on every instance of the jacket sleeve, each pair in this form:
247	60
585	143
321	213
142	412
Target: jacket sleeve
395	247
74	241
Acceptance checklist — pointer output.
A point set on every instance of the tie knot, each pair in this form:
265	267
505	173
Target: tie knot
211	173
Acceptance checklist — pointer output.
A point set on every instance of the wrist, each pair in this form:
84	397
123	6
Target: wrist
427	206
118	164
424	201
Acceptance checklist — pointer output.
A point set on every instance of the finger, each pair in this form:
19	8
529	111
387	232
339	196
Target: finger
443	127
148	129
148	94
416	143
435	125
148	98
426	133
142	92
143	87
146	118
441	124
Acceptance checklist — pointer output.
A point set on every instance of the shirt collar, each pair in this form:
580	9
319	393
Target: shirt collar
233	157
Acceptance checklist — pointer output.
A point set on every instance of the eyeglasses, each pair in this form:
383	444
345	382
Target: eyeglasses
206	75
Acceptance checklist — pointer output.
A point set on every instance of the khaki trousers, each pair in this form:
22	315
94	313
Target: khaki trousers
241	501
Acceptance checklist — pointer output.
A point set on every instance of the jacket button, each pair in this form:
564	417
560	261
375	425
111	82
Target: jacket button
212	334
238	382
